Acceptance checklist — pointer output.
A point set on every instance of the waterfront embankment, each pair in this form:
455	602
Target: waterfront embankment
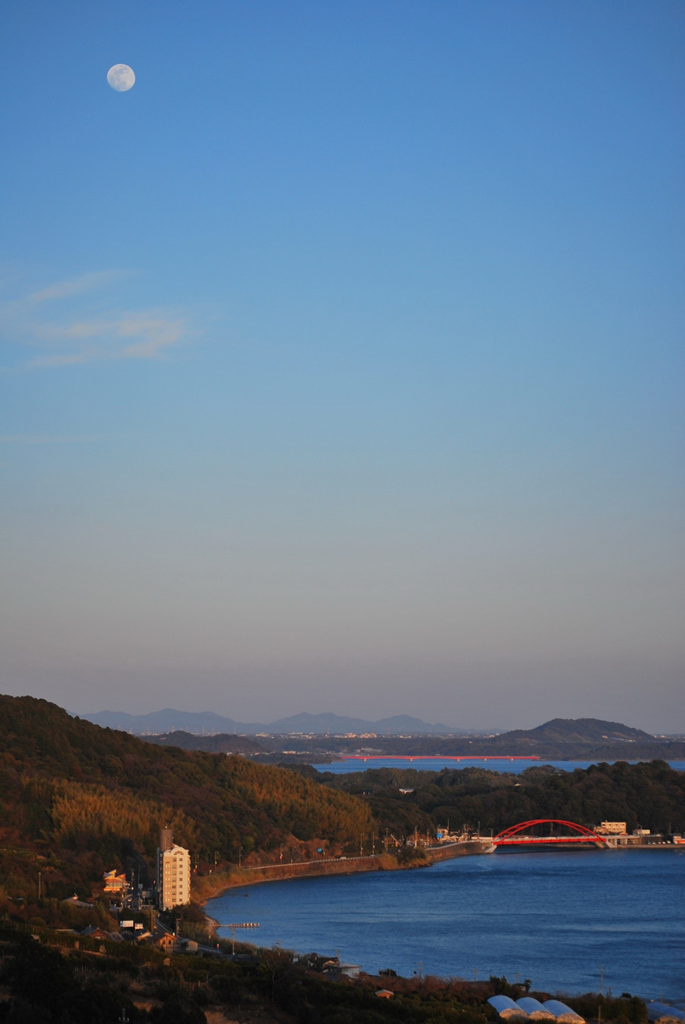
207	887
468	848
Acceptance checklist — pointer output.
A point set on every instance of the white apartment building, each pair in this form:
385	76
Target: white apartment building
173	873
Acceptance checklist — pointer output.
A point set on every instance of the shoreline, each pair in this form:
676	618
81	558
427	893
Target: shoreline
400	897
211	887
214	886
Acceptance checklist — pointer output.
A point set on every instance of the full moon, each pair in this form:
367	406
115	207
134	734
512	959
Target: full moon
121	77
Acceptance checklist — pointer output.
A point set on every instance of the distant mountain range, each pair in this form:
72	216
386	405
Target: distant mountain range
208	723
319	737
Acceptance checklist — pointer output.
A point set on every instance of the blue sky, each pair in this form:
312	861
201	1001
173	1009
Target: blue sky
342	359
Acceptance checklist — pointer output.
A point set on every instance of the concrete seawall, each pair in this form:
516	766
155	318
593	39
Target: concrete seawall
313	868
209	887
450	850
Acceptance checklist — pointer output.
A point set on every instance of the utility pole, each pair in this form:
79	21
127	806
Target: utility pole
240	856
601	980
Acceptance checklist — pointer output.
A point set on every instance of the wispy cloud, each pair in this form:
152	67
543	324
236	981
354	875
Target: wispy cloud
47	320
141	335
73	286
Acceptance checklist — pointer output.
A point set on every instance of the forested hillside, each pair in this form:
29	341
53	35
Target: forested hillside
649	795
75	791
220	743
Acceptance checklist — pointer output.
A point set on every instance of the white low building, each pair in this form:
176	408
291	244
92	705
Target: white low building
611	828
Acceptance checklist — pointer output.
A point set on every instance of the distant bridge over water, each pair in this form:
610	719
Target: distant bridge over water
441	757
520	835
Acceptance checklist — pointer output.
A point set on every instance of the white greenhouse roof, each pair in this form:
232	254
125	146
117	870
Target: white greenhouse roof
563	1013
534	1009
506	1007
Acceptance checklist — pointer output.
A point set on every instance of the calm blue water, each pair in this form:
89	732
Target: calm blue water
494	765
552	917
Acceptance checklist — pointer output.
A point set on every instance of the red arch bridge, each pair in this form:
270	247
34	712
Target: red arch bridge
520	835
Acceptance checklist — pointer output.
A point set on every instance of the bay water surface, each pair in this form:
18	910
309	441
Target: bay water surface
556	918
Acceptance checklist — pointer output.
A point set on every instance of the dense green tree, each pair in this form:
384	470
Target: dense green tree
647	795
